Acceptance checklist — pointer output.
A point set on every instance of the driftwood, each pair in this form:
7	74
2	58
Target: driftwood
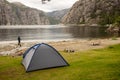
69	50
96	43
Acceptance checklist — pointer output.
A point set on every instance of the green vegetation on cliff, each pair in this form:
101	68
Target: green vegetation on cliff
110	17
117	21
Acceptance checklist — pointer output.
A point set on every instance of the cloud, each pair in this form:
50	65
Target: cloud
49	6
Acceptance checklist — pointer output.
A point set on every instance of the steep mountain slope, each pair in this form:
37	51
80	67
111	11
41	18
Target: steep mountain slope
93	12
18	14
56	16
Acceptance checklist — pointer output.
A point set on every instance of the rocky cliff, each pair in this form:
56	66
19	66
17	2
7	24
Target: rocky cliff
93	12
18	14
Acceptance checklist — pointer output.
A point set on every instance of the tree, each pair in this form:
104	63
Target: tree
117	21
44	1
115	28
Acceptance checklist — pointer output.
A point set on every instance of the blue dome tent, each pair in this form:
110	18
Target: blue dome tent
42	56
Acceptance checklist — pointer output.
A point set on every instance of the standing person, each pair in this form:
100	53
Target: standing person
19	41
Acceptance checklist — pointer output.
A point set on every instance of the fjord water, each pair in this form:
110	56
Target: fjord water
50	32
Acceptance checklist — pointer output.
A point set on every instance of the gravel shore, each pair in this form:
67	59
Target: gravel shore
11	47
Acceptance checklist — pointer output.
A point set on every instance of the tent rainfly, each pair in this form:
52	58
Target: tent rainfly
42	56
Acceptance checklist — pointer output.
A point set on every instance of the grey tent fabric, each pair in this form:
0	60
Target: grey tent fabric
42	56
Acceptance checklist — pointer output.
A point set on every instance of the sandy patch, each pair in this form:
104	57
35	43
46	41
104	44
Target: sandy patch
11	48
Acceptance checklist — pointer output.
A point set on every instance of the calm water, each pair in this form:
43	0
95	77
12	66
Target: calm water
50	32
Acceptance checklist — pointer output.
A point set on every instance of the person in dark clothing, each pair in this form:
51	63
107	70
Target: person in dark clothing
19	41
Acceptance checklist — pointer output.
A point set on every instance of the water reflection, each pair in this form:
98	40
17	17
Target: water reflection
52	33
88	32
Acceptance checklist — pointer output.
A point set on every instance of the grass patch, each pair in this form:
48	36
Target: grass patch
114	38
97	64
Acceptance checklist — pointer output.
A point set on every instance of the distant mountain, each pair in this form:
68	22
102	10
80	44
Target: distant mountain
55	16
19	14
93	12
18	4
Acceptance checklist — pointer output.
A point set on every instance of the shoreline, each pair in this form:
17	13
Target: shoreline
28	41
11	47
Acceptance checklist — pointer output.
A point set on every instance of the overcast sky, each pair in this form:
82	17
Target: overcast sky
49	6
